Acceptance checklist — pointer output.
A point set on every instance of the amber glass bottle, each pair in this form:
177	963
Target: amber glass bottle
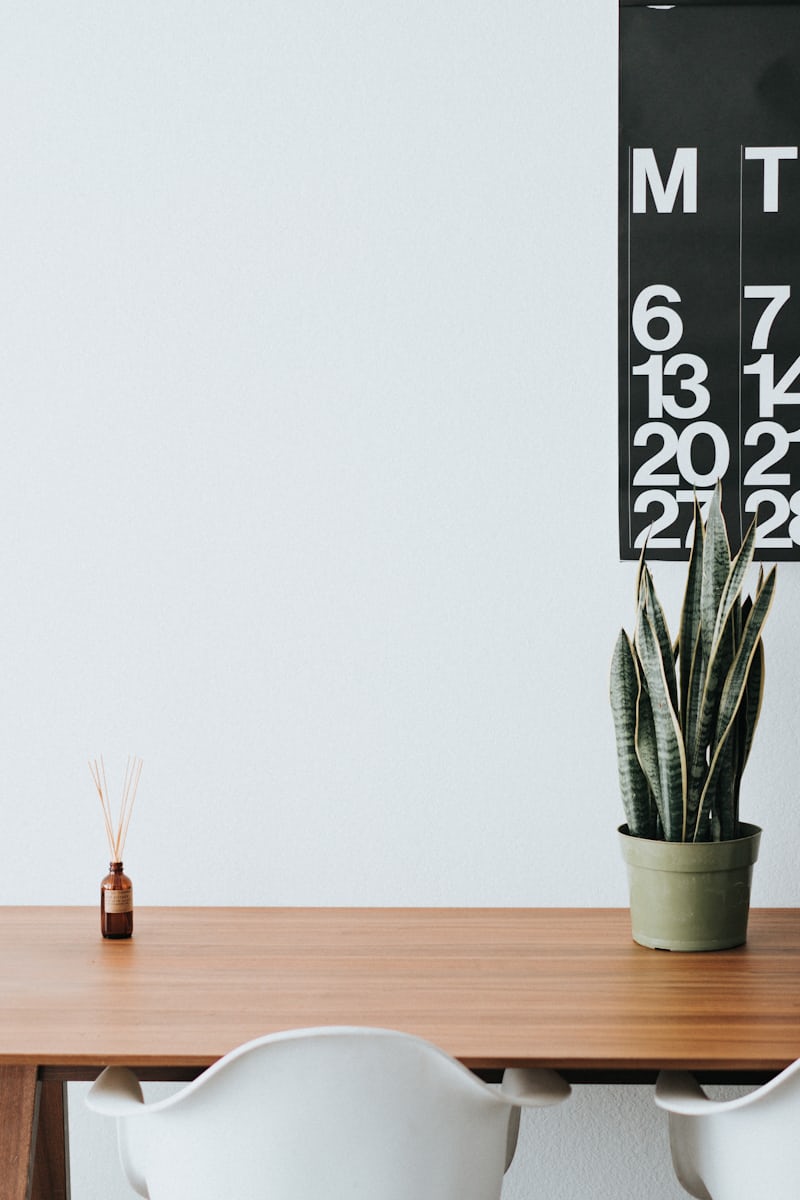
116	903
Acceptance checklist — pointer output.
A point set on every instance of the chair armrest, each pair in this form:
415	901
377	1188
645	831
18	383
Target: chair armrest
533	1087
528	1087
115	1093
679	1092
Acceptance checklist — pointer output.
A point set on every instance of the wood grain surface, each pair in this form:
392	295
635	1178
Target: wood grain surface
495	987
18	1115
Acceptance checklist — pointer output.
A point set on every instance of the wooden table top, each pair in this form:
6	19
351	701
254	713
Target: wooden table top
494	987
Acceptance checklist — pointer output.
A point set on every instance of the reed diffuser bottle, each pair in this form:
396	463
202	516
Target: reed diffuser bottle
116	890
116	903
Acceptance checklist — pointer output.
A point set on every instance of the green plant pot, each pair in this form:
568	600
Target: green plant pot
687	895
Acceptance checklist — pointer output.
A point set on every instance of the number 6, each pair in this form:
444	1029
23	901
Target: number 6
644	314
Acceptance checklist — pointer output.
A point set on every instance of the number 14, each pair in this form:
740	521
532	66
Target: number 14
770	392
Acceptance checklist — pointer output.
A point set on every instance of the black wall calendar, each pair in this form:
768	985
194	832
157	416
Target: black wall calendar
709	272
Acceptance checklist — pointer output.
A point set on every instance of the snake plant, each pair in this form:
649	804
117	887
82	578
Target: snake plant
685	713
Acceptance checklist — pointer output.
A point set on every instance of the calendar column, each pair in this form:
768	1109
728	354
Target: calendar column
770	345
709	272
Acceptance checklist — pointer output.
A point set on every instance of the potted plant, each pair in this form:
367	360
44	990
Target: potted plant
684	718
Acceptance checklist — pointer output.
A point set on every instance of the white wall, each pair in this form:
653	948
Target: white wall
308	471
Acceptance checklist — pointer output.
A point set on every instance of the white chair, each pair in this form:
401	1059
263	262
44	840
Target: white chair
743	1149
324	1114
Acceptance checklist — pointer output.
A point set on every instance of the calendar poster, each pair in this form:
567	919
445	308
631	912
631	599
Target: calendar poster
709	273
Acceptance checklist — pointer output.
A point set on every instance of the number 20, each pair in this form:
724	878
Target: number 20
679	447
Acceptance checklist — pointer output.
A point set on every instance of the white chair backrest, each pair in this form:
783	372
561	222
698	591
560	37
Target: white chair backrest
320	1115
742	1149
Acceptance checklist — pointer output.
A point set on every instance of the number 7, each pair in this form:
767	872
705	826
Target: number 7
777	294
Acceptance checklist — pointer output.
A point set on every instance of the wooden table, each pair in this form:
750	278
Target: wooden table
565	988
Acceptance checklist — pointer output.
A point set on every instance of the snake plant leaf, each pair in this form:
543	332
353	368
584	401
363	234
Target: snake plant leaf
647	753
700	733
625	691
746	722
688	658
751	704
652	607
716	567
724	823
735	580
717	651
689	720
735	685
736	682
669	743
640	568
727	634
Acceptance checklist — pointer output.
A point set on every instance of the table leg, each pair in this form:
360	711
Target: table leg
17	1130
51	1157
34	1163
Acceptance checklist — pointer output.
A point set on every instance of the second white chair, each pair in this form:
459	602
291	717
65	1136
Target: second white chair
325	1114
743	1149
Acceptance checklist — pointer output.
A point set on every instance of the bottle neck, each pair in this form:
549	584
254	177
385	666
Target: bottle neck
115	868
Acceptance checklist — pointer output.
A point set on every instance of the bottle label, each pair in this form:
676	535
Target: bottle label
119	901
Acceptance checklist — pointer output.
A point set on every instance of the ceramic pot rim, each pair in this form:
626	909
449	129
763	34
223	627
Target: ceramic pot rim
692	856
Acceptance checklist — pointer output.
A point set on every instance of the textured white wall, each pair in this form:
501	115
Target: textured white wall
308	474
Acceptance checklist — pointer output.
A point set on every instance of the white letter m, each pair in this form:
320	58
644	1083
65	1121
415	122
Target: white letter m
682	173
